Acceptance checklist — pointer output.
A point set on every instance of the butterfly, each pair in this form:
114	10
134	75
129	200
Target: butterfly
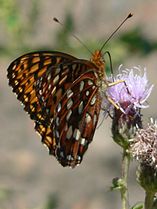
62	95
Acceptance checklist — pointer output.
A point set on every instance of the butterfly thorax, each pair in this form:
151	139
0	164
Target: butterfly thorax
98	60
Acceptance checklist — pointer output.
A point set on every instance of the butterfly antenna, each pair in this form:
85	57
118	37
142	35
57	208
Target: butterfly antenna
129	15
110	60
79	40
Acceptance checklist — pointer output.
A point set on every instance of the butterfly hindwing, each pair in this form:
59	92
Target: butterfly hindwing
74	119
77	122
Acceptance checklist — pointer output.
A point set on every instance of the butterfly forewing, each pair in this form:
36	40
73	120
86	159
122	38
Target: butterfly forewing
26	70
47	136
61	94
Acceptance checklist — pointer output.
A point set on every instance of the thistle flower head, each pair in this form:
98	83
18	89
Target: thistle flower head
129	95
144	150
134	89
144	145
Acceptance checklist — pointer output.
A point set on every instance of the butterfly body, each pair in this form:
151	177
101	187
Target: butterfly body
61	93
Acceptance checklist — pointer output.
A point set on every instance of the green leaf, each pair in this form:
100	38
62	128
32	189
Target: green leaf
138	206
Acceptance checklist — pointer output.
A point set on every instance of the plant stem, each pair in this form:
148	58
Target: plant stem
149	198
125	169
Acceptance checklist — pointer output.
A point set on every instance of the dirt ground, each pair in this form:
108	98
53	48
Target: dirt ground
28	175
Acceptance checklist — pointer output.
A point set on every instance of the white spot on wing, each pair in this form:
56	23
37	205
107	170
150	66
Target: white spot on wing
80	107
14	67
78	157
81	85
49	86
57	134
94	119
49	77
61	154
69	157
87	93
90	82
69	93
76	134
40	92
69	133
13	74
69	104
68	115
88	118
83	141
57	70
93	100
59	107
56	79
57	121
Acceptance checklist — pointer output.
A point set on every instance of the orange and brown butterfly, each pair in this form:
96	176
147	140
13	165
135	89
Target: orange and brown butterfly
62	94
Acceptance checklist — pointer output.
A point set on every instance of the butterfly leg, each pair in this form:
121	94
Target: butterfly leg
117	82
115	104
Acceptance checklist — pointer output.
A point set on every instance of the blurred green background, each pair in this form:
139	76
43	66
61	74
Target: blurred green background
29	177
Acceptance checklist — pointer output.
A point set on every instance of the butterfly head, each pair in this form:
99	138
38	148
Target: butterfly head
98	60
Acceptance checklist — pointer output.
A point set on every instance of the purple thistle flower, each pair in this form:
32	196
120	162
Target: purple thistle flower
129	97
133	92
